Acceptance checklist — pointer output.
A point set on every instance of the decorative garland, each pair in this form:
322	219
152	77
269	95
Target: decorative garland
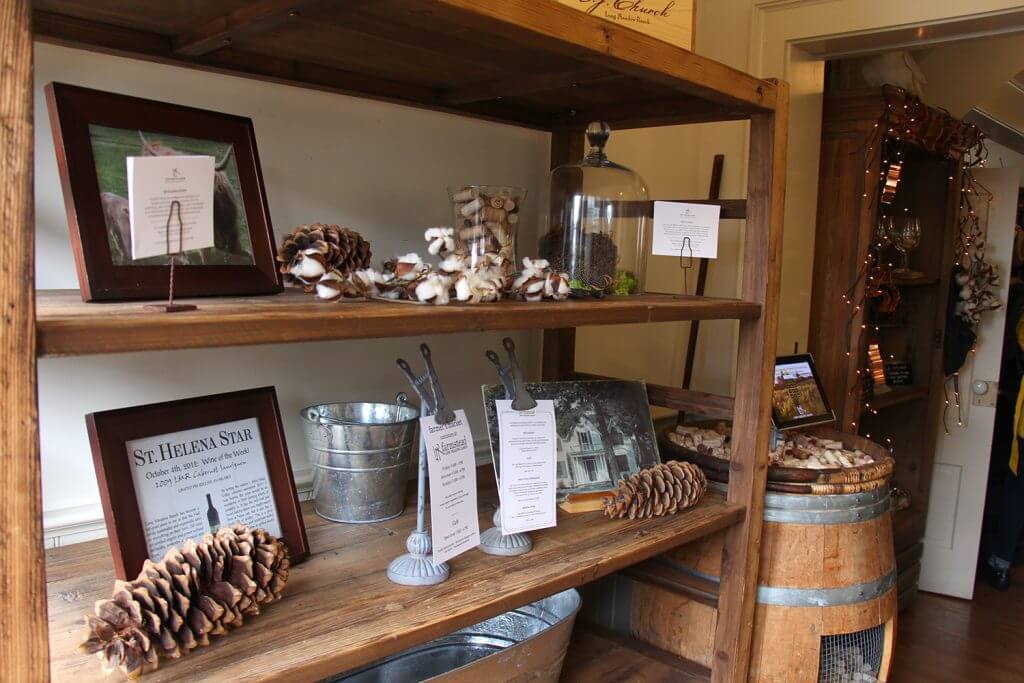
904	119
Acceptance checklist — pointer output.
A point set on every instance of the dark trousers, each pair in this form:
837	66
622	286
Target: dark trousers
1011	512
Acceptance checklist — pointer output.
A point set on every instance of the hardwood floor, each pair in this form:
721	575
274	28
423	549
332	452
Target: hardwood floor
942	639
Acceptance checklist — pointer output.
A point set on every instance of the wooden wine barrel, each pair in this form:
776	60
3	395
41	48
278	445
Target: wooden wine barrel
826	600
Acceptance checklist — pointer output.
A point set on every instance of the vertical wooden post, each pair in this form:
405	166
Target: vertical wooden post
559	353
748	470
23	635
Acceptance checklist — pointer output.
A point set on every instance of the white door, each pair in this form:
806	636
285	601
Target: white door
961	459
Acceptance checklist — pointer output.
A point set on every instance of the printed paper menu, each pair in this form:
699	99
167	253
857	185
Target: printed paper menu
451	466
527	466
191	482
680	227
154	183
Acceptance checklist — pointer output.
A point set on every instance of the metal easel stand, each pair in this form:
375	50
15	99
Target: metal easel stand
416	568
170	306
494	541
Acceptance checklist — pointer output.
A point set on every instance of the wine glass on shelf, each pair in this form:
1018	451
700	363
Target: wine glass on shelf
906	237
884	230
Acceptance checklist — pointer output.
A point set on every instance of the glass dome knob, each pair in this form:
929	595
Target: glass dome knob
598	133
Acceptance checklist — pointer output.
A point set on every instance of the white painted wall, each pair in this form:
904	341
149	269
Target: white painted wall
379	168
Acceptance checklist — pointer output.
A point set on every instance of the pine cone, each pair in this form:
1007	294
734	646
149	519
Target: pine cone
310	251
174	605
660	490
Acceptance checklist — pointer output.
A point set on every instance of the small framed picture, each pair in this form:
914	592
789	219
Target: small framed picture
798	399
898	373
603	431
95	133
172	471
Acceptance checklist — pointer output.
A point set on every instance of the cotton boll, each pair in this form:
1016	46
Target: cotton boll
409	267
365	281
463	291
330	287
439	240
309	265
433	289
556	286
453	264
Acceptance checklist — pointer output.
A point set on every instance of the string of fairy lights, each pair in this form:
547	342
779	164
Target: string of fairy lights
906	118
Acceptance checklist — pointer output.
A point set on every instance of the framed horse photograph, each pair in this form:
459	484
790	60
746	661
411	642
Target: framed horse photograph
96	134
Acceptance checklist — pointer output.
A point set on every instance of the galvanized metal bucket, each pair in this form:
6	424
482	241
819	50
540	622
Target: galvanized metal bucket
360	454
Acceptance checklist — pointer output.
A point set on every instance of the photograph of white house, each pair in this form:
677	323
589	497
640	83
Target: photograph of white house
604	430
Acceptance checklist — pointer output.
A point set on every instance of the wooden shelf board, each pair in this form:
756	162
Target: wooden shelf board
531	62
66	326
898	396
340	611
597	655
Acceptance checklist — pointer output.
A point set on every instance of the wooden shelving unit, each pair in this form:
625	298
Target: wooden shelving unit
899	396
847	214
623	659
68	327
516	61
340	633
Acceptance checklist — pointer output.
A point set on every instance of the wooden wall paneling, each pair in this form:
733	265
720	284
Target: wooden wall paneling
23	636
845	220
755	368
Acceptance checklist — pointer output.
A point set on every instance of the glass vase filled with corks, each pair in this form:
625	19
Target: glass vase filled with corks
597	224
486	219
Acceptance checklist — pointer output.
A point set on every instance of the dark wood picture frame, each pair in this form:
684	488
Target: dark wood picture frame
109	430
72	110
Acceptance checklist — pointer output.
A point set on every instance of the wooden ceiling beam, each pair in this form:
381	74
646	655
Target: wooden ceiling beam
216	33
82	33
652	113
513	85
548	25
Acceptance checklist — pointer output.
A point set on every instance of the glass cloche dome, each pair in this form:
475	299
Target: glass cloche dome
597	222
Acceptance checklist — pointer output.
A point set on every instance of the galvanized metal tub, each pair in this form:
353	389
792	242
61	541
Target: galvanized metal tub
525	644
360	454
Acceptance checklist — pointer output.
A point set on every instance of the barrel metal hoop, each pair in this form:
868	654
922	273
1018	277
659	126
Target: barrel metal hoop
805	508
836	516
811	597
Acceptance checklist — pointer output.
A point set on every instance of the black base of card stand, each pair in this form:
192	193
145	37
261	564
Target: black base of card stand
494	541
416	568
170	306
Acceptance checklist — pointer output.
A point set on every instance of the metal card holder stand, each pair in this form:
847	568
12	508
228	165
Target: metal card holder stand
416	568
493	541
170	306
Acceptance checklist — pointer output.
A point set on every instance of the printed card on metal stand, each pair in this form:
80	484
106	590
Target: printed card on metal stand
525	463
453	494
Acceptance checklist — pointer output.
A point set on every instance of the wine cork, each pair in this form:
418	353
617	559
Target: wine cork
472	207
473	233
485	220
490	214
466	195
